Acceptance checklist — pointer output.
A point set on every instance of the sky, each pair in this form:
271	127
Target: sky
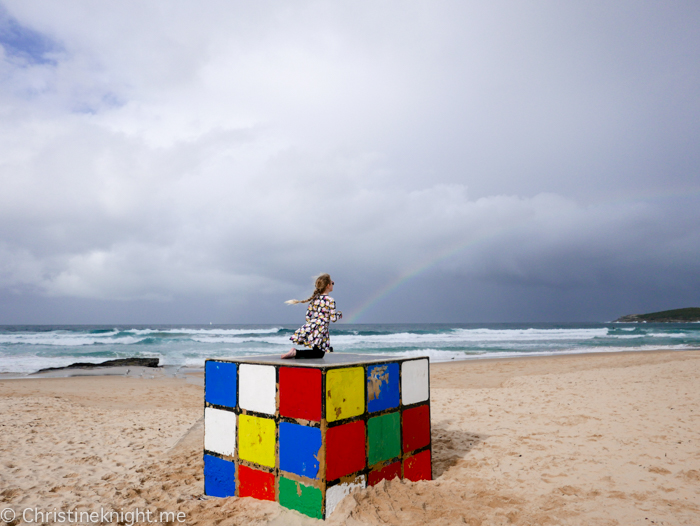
454	162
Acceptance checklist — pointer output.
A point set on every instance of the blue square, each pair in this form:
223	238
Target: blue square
382	387
219	477
299	449
220	383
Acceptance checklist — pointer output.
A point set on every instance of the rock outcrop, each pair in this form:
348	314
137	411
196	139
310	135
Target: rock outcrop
121	362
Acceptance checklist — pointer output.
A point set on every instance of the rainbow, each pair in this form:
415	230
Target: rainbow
416	270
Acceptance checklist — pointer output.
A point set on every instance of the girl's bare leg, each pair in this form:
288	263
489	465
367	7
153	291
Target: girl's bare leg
290	354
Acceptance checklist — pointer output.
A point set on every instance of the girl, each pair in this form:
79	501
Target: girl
314	333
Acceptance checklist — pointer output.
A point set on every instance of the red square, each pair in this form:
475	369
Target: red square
345	449
416	428
301	395
255	483
418	467
389	472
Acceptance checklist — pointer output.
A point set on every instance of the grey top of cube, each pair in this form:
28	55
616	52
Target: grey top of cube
335	359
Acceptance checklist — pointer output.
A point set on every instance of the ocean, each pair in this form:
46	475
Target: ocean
26	349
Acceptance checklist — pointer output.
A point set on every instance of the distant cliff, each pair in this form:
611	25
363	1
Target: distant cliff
666	316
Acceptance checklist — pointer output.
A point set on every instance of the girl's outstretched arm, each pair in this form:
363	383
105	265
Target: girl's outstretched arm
334	314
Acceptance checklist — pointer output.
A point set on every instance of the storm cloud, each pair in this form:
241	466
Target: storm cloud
174	163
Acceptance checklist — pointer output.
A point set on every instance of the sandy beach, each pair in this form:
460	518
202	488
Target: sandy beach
596	439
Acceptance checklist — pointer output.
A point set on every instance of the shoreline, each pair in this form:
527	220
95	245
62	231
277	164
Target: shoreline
182	371
164	371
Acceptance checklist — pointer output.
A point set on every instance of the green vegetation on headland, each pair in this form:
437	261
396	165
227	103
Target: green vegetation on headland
665	316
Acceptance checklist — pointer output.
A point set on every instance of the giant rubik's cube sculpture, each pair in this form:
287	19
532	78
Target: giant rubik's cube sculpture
305	433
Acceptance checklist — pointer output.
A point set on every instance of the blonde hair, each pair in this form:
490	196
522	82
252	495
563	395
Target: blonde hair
322	283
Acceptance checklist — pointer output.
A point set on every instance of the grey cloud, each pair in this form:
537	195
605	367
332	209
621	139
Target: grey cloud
206	162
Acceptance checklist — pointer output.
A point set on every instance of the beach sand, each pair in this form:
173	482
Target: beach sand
596	439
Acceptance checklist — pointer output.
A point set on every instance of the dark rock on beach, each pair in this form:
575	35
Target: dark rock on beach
688	315
121	362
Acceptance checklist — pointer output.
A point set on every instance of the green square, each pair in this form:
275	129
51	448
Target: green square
297	496
384	437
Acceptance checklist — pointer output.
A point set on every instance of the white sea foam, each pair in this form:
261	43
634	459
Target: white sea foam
204	331
279	340
69	340
436	355
473	335
587	350
76	339
27	364
531	334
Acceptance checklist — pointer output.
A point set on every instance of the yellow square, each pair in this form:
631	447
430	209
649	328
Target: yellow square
345	393
256	440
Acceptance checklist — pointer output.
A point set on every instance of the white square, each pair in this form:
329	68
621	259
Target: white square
414	381
219	431
336	493
257	388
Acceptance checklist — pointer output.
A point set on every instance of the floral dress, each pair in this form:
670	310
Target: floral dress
314	332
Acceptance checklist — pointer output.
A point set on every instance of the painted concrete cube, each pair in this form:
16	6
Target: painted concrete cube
306	433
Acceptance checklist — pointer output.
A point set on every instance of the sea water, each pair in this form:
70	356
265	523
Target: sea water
26	349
